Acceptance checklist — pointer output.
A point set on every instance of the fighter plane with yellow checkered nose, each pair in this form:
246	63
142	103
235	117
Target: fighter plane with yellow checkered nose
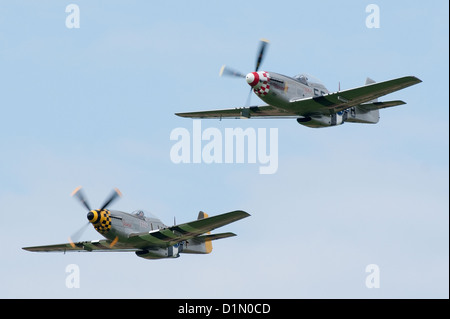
144	233
306	99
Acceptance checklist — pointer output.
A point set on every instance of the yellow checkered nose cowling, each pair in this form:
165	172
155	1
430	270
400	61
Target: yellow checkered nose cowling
101	219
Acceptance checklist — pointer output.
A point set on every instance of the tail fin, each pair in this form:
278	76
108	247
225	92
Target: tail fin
360	114
370	81
206	242
202	244
202	215
199	245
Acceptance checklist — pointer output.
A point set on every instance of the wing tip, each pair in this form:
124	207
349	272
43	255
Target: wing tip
414	79
198	116
182	114
241	214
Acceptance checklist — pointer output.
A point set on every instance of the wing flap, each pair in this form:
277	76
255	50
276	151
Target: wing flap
215	236
380	105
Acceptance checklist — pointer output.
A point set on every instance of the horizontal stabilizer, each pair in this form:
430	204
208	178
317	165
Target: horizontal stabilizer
379	105
202	244
215	236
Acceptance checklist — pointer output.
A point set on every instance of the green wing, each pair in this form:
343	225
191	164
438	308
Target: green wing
339	101
94	245
172	235
265	111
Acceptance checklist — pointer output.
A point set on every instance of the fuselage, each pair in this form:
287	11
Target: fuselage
124	231
114	224
281	91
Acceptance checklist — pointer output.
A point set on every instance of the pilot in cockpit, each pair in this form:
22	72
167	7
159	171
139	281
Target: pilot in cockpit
139	214
301	78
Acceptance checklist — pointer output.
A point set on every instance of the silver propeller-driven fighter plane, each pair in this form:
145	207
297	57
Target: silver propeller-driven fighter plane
144	233
306	99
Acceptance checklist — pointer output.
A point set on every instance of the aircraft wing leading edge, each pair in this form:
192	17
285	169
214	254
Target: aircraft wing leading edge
264	111
94	245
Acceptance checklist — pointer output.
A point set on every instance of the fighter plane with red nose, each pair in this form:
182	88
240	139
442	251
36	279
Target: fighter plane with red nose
307	100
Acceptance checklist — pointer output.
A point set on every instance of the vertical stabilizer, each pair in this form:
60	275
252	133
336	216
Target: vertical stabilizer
201	245
202	215
361	114
370	81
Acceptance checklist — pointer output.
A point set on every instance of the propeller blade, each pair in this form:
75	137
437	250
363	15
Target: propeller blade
78	193
247	104
114	242
262	48
77	235
230	72
224	70
115	194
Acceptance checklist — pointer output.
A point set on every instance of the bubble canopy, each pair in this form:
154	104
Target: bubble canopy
309	80
143	213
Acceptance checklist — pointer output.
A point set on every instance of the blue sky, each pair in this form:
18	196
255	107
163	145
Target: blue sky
95	107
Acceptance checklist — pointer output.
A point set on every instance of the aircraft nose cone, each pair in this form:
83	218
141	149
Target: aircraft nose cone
90	216
252	78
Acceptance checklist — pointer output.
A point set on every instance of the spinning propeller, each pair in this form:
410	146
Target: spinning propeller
253	78
99	218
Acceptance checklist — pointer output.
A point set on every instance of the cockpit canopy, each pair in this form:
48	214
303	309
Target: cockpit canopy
142	214
139	213
309	80
146	216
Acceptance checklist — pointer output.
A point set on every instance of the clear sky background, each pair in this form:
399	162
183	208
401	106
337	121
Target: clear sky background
95	107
